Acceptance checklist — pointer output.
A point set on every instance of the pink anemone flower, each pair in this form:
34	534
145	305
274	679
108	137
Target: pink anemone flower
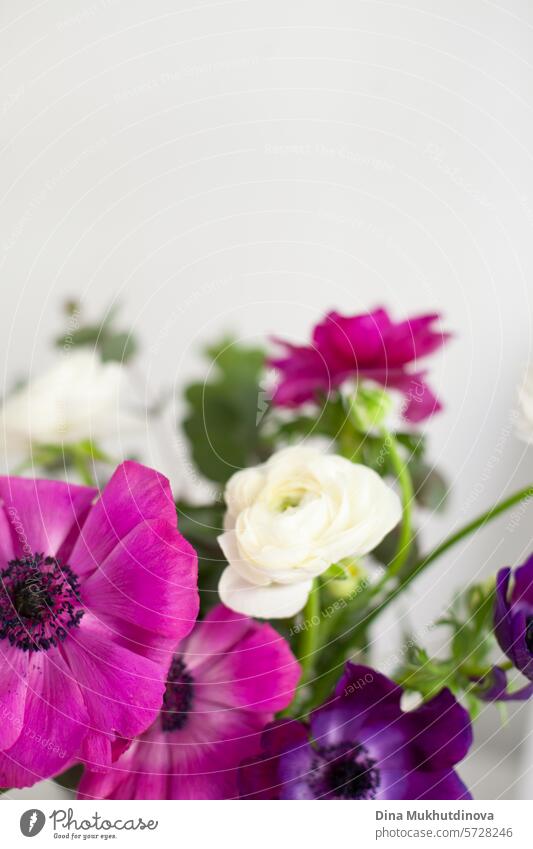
94	594
224	684
368	346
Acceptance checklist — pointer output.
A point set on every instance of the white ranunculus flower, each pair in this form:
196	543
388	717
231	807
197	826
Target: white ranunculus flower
78	398
290	519
525	416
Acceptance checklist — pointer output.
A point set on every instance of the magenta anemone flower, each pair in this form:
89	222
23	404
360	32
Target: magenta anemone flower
93	596
225	683
366	346
362	745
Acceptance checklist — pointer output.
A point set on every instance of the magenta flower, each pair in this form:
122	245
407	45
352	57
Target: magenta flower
93	597
225	682
362	745
367	346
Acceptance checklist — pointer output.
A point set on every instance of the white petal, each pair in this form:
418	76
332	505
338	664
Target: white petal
230	549
275	601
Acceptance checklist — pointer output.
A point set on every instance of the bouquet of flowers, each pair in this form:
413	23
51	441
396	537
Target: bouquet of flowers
152	647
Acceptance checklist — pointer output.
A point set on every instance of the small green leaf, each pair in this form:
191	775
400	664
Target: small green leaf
222	419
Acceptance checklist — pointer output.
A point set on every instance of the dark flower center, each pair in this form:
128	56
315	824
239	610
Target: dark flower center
344	772
178	697
529	634
39	602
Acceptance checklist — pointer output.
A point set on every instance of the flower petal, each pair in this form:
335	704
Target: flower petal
134	495
146	589
42	514
13	685
122	691
55	722
260	673
276	601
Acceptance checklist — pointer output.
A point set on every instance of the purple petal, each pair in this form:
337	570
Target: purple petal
493	688
502	613
441	732
523	585
419	785
258	777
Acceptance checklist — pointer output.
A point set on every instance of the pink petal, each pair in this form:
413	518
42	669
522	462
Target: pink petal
7	550
134	495
214	636
13	684
55	721
122	691
146	589
260	673
42	514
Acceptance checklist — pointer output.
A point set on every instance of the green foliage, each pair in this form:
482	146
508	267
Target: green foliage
201	525
468	656
55	458
113	345
223	418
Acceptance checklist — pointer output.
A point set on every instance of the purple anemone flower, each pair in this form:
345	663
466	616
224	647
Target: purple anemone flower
93	596
513	616
366	346
224	684
493	687
361	745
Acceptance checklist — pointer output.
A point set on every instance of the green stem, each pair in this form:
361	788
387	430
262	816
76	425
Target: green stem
308	642
462	533
328	678
407	493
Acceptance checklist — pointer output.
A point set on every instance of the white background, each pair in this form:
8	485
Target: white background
246	165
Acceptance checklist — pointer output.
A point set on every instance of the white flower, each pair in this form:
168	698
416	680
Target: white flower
78	398
290	519
525	417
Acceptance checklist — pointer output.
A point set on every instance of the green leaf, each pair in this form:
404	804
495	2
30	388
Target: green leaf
113	345
431	489
118	347
223	418
200	525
